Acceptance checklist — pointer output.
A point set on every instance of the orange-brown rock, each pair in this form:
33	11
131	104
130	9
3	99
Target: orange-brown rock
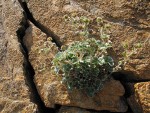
129	22
52	92
140	101
14	91
65	109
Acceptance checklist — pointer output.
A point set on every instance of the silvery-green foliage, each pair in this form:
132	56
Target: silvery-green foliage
84	65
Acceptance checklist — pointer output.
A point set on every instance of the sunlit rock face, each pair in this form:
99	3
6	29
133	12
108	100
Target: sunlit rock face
129	22
38	42
14	91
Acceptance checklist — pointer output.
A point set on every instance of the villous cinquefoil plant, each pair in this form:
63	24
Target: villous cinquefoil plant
85	65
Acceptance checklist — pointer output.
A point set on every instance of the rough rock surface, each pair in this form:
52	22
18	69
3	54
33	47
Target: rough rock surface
66	109
140	101
14	92
130	24
72	110
129	21
41	53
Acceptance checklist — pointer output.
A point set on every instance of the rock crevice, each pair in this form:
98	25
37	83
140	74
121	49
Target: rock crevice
28	69
43	28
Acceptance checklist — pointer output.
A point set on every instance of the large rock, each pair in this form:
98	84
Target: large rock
140	101
65	109
41	53
14	91
129	24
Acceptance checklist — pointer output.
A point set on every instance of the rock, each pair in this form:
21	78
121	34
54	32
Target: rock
65	109
41	53
129	22
14	91
15	106
140	101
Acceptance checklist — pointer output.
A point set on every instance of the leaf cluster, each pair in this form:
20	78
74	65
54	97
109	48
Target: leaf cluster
84	65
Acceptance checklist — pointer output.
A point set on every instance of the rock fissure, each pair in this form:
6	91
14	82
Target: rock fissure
128	85
130	22
29	71
43	28
125	77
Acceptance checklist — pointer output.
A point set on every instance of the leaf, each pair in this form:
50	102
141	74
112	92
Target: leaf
67	67
101	60
124	54
126	46
105	36
109	60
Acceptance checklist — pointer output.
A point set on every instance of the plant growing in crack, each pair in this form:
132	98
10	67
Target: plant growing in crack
79	24
46	48
88	27
128	52
85	65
